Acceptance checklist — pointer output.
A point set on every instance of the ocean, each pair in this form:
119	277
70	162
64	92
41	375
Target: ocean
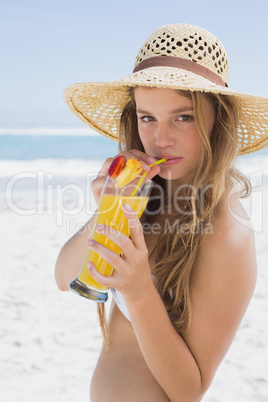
32	147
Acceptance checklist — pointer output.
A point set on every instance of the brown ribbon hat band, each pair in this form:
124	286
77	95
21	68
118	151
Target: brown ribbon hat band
171	61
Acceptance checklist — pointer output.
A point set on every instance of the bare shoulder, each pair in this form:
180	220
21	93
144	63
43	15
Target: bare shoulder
230	247
222	284
227	256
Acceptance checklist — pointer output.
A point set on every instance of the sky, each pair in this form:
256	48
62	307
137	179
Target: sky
48	45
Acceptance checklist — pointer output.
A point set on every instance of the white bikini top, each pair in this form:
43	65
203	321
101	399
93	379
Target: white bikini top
119	299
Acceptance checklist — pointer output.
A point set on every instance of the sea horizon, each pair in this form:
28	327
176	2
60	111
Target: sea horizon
55	142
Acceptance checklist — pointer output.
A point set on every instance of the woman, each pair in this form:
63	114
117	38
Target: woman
181	288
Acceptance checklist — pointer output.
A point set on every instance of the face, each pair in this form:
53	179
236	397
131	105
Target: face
167	129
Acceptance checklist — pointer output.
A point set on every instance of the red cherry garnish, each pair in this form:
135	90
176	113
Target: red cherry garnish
117	166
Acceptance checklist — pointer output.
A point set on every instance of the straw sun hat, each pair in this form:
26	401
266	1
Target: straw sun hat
177	56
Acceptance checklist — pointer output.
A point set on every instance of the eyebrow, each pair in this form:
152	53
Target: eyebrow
180	110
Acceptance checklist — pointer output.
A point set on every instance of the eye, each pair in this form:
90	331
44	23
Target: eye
147	119
185	117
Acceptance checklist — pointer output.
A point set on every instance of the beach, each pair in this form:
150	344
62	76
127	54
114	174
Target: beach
50	340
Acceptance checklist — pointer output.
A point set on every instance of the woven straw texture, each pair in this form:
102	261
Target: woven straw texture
99	105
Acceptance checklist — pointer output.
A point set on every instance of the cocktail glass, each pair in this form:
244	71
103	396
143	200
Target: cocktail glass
110	213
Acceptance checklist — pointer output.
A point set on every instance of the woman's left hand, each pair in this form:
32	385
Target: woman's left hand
132	274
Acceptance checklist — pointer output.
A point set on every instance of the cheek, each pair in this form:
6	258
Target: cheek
145	139
192	144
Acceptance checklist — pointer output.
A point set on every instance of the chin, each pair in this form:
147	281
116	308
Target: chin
168	175
180	173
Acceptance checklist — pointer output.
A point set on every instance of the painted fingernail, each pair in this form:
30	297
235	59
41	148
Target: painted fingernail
99	226
89	265
146	167
90	242
127	207
151	160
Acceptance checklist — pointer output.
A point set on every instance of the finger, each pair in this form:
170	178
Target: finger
105	166
123	241
103	280
98	183
143	157
108	255
136	230
153	171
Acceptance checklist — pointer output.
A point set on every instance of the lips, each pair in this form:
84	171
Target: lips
171	160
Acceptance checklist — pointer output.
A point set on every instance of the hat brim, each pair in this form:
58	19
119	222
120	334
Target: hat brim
99	104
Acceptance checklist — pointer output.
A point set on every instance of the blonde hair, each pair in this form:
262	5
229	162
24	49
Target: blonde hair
177	248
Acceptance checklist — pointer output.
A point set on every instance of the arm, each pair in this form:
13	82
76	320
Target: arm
167	355
72	256
222	284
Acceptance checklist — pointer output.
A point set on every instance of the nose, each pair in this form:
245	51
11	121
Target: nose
163	136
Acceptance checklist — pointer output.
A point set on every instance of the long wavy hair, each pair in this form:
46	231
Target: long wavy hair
178	244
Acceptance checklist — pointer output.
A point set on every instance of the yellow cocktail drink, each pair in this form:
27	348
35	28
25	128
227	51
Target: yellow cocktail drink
110	213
